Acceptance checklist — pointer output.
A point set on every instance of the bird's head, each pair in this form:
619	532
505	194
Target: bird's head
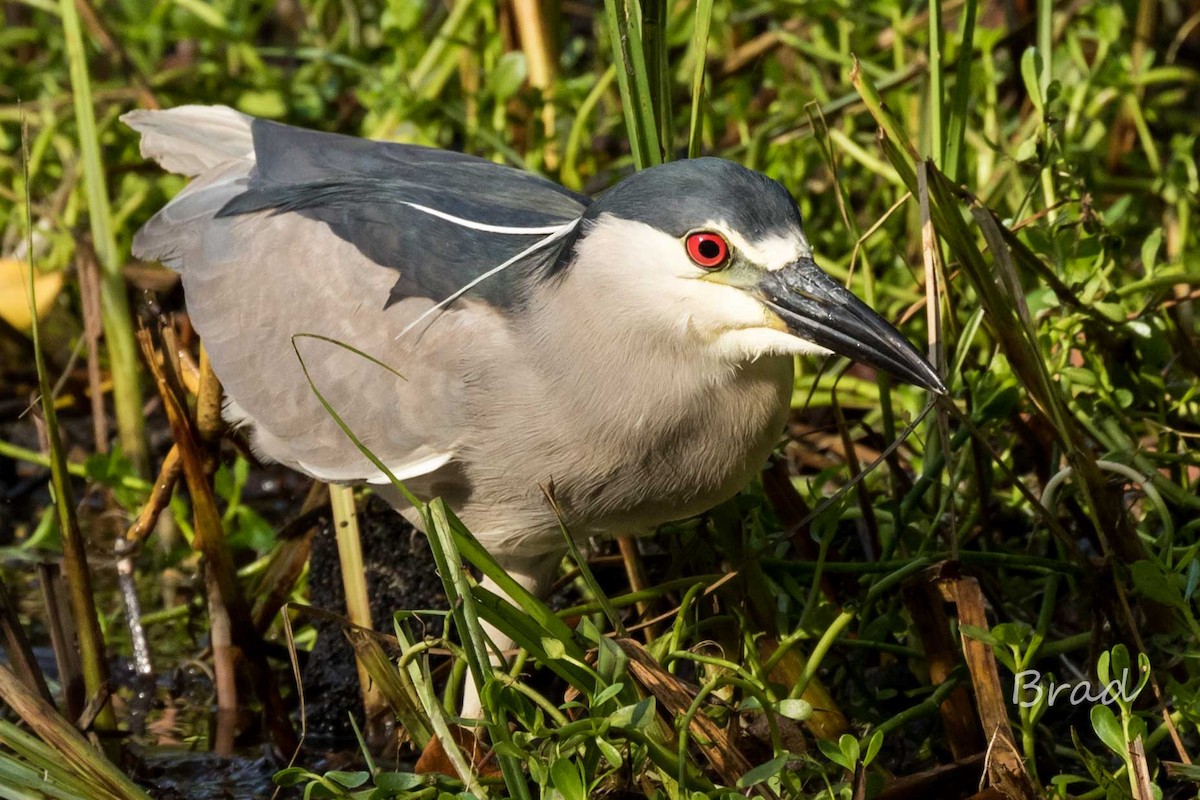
710	250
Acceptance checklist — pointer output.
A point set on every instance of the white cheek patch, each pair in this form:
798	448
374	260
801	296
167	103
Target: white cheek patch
648	284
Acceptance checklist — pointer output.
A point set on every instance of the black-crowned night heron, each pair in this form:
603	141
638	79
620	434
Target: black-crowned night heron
635	350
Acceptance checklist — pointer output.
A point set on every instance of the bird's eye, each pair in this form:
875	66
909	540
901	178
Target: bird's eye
708	250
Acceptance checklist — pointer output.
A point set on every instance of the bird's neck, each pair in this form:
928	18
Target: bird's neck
666	430
601	355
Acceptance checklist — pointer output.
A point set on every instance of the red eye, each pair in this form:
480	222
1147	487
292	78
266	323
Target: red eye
708	250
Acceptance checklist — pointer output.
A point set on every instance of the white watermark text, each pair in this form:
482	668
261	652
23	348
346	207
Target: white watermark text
1029	689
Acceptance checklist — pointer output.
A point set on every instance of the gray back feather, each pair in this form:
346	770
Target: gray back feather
366	191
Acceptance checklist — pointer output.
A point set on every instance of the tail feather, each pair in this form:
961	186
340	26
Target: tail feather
191	140
175	235
212	144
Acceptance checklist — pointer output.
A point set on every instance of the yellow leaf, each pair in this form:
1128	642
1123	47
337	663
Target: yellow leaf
14	296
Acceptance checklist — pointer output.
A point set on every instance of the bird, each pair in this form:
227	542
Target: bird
634	350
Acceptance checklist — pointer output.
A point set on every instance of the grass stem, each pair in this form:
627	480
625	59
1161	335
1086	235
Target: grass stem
354	584
79	577
114	306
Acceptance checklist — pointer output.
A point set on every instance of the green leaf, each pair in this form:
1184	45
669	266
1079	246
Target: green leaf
1110	21
635	716
873	745
268	104
554	648
607	694
509	749
399	781
1137	728
292	776
611	660
796	709
510	72
317	790
611	754
587	631
831	751
849	747
1150	247
1120	661
1143	661
565	777
351	780
1156	584
763	771
404	16
979	634
1027	150
1013	634
1106	726
1031	70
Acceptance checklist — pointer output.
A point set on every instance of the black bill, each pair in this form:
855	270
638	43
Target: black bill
818	309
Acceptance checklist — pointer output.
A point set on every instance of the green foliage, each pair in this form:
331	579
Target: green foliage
846	753
365	785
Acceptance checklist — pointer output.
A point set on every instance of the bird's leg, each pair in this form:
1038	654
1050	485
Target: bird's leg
534	574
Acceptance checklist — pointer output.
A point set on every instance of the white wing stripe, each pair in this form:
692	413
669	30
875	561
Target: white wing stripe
482	226
557	234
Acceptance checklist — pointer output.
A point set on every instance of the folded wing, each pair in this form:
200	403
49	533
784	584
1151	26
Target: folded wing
285	232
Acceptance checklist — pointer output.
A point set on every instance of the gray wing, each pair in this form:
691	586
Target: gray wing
287	232
371	194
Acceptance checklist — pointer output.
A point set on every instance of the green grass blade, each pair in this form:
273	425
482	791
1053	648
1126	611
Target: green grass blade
625	36
54	774
426	78
422	681
1045	42
462	603
704	10
473	551
961	101
658	76
352	349
529	635
570	172
645	108
585	571
58	743
937	96
75	564
114	306
396	685
442	542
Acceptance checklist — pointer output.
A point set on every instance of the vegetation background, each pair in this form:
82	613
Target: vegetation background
1014	181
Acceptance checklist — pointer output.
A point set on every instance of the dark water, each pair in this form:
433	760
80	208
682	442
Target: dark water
180	774
168	718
